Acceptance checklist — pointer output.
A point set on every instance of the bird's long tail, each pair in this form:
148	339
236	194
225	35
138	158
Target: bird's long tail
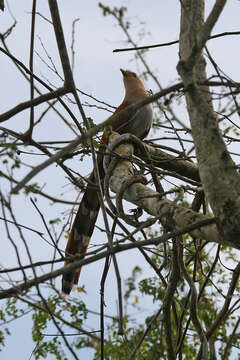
81	232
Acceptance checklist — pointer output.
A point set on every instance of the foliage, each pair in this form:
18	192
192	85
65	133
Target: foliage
193	288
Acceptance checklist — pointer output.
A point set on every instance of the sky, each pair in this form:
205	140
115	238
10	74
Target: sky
96	73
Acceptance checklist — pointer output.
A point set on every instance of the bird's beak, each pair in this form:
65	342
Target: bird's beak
123	72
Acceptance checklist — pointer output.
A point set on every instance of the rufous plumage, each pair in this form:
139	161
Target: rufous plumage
137	123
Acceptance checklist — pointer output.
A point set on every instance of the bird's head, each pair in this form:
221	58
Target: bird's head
133	85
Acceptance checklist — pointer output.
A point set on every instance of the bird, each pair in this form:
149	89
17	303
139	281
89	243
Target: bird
137	123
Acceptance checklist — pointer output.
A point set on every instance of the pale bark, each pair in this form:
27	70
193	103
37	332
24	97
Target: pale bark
218	173
169	213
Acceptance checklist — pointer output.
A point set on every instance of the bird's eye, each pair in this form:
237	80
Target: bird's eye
134	74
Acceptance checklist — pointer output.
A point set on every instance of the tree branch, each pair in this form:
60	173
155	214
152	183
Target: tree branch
19	289
168	212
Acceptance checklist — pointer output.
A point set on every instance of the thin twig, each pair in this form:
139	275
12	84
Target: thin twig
16	290
226	33
31	67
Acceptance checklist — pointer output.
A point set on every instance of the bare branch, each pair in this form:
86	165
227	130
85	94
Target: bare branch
18	289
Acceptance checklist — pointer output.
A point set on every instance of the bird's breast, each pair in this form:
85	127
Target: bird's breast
140	122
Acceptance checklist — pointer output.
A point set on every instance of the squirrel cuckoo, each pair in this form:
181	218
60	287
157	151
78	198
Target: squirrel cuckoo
138	123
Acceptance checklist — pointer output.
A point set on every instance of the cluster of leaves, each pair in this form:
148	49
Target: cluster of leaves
106	10
10	311
211	282
9	152
154	346
73	313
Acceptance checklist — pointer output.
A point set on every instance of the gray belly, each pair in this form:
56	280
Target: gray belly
140	123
